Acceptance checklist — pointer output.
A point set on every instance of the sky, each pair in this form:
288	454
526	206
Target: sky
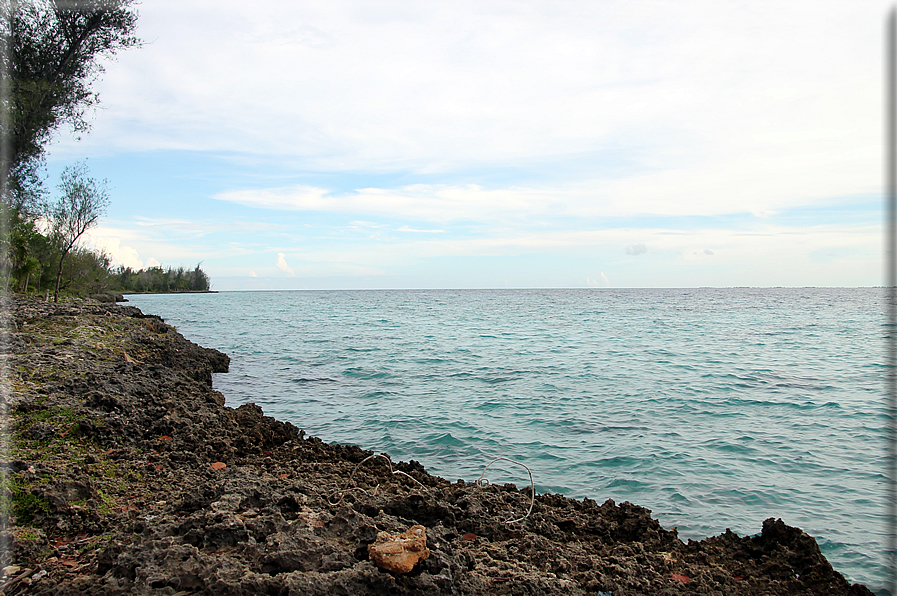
489	143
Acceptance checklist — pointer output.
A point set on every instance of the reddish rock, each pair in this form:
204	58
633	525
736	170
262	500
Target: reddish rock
399	553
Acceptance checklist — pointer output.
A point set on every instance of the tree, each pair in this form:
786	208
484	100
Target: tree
200	280
86	272
52	55
23	238
81	203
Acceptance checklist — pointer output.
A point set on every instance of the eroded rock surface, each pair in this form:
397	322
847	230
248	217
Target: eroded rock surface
114	426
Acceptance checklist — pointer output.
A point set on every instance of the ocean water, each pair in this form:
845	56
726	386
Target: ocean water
714	408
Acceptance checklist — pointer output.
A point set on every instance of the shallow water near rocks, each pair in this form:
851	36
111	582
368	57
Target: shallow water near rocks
714	408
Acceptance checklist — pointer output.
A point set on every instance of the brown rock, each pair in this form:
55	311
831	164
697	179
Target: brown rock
399	553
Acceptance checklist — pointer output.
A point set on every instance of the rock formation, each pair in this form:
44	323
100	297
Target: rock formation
399	553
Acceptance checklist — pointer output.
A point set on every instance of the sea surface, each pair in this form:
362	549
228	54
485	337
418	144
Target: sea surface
714	408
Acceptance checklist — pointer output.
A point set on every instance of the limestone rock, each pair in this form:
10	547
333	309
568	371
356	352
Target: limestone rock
399	553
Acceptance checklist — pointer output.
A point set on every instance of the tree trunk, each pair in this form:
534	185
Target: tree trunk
59	275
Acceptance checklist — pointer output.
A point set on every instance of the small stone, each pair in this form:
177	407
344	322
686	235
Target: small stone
399	553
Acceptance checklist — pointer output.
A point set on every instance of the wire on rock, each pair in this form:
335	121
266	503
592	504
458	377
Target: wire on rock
352	475
532	487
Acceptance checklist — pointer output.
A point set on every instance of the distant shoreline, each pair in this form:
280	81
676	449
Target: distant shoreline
178	292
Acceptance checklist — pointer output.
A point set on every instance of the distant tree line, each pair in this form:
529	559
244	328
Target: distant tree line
37	261
157	279
53	50
39	250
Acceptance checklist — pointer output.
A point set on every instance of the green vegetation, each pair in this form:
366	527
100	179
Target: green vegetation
156	279
22	493
24	504
54	52
37	263
78	208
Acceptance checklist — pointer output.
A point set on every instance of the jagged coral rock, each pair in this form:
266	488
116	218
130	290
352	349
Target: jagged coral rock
399	553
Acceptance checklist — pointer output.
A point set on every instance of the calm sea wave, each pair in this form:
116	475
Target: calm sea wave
714	408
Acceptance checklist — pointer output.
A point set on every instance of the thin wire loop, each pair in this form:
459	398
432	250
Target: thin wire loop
352	475
532	486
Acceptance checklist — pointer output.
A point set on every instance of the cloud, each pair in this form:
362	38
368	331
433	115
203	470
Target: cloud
151	262
407	229
524	128
392	89
204	227
112	242
124	256
253	274
595	283
670	192
282	265
762	241
429	202
304	198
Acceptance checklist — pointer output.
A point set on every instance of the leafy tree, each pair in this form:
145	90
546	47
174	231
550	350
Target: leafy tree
30	267
81	203
157	279
23	240
53	52
86	272
200	279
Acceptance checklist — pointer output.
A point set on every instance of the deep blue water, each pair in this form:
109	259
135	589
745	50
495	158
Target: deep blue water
714	408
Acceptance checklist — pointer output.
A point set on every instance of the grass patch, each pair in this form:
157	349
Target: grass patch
26	534
21	502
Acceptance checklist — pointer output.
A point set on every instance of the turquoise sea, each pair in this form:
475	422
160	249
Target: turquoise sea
714	408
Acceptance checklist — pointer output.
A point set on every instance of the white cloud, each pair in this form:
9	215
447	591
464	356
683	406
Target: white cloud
125	245
419	201
706	103
594	283
282	265
203	227
559	112
768	242
673	192
110	241
253	274
416	231
124	256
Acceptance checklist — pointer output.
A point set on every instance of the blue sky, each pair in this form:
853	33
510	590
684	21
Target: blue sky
358	144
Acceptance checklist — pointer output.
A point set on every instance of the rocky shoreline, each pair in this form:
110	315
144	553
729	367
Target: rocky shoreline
124	473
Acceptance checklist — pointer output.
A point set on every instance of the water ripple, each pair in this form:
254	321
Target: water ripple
715	408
